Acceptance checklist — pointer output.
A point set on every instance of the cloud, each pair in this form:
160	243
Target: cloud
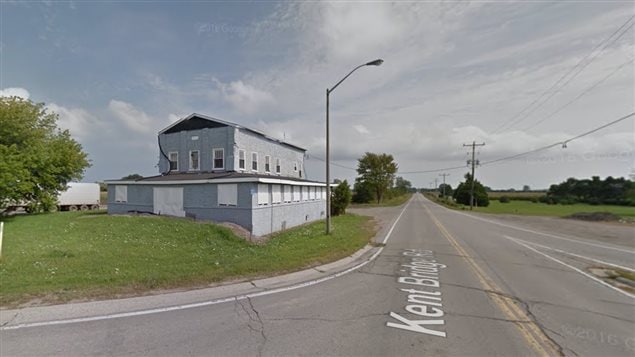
245	97
79	122
133	118
15	92
361	129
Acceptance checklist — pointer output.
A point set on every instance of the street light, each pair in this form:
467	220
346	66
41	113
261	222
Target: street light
376	62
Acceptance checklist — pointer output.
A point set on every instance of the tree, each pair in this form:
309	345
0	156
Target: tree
378	172
132	177
445	188
462	192
402	186
526	188
341	198
37	159
361	192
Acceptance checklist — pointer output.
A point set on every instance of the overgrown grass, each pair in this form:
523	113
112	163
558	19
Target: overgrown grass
529	208
393	201
77	255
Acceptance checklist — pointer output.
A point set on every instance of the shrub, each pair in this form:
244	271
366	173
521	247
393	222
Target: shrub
504	199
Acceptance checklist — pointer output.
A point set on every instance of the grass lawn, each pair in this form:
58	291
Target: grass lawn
515	194
543	209
76	255
395	201
540	209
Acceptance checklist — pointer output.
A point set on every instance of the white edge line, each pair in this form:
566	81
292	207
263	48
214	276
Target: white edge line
211	302
571	267
579	240
577	255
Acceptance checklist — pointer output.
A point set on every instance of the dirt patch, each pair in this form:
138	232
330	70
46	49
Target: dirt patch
595	216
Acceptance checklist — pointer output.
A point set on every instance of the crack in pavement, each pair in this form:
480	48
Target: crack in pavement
10	320
254	317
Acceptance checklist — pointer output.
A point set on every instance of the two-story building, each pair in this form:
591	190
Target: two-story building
215	170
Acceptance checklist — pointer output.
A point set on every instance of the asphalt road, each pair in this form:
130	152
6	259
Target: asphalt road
446	283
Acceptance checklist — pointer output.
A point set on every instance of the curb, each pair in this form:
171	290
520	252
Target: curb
140	305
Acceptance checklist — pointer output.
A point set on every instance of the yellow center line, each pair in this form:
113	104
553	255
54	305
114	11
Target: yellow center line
534	336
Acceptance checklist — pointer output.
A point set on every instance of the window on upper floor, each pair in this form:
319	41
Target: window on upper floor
194	160
174	161
295	167
278	166
219	158
254	161
267	164
241	159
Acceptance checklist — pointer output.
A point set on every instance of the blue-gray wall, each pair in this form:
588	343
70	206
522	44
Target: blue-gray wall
251	142
208	139
200	202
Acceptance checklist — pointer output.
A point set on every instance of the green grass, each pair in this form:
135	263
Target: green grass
394	201
543	209
81	255
515	194
529	208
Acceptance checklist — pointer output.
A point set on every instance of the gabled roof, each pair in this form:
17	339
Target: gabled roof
197	121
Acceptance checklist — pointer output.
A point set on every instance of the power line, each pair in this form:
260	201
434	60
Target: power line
584	62
560	143
580	95
332	163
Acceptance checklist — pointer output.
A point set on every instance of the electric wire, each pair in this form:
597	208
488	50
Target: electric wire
584	62
579	96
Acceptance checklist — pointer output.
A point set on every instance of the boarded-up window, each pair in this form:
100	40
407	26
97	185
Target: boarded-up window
287	193
263	194
323	190
311	193
228	194
121	193
296	193
276	195
305	193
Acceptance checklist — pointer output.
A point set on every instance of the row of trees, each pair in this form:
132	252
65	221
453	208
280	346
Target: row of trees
462	192
610	191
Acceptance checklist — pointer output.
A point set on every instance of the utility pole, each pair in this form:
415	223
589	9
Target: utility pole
474	163
436	186
444	175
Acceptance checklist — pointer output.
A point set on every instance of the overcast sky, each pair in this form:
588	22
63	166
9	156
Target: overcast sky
454	72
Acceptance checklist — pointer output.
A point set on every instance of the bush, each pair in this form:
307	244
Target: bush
341	198
504	199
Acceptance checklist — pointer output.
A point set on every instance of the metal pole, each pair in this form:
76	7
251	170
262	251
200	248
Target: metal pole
472	188
1	230
328	169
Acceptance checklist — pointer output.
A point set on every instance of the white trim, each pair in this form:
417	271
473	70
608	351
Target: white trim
252	161
244	160
170	161
190	160
214	159
225	180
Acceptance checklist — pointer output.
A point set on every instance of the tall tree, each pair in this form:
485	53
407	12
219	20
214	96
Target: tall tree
37	159
378	172
402	186
462	192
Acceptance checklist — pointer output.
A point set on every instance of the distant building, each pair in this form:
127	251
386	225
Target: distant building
223	172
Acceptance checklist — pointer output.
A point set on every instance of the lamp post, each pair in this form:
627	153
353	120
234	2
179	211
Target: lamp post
376	62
